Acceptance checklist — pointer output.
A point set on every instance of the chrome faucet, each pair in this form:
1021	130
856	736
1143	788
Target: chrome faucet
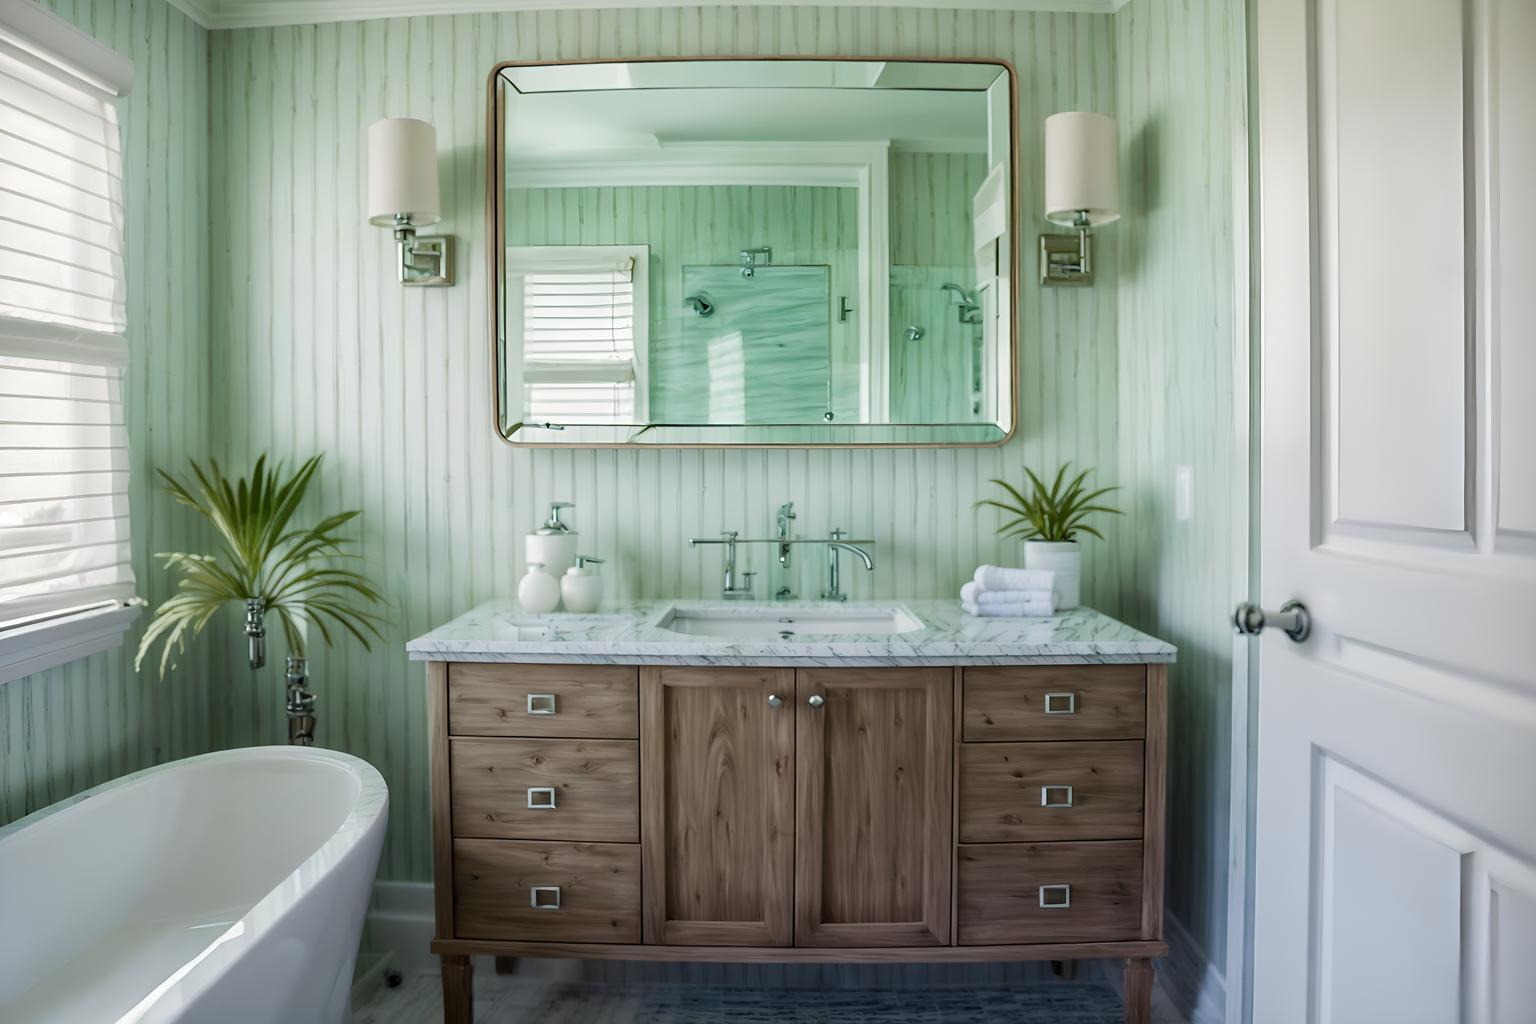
729	590
784	517
834	590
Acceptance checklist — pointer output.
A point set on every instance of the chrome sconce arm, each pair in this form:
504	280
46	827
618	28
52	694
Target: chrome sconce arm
423	261
1068	259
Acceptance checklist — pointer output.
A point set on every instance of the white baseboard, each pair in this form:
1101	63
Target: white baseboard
400	925
400	929
1194	985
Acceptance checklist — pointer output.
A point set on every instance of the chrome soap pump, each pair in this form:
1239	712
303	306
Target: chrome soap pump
582	588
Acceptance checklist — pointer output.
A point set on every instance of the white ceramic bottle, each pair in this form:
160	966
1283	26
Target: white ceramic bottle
538	592
554	543
581	587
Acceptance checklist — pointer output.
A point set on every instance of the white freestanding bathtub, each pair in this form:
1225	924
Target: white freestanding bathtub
229	887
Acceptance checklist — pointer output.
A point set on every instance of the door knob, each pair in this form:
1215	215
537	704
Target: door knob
1250	620
815	700
774	700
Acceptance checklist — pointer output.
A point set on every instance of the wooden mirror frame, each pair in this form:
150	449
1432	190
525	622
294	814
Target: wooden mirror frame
496	256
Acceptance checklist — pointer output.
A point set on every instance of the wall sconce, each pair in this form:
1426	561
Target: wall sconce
402	194
1082	190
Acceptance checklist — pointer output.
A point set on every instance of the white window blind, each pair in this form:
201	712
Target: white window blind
63	443
581	313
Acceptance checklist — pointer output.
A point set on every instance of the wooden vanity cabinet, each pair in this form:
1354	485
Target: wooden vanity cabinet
873	784
774	814
718	807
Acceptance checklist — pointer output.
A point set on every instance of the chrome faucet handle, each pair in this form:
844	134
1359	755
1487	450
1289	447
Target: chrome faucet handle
729	534
838	533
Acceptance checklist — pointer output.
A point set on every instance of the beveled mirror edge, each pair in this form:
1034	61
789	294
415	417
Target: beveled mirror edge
496	255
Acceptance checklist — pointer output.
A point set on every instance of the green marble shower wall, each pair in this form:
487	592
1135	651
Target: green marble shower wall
69	728
702	225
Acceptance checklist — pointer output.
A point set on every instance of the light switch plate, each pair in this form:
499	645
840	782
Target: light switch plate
1183	493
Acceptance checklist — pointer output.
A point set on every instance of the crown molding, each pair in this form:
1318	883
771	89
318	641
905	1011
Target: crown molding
200	11
226	14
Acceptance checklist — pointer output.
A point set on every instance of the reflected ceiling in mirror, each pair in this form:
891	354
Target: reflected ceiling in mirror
754	252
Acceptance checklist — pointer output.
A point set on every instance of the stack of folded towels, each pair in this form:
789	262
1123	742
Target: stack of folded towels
997	590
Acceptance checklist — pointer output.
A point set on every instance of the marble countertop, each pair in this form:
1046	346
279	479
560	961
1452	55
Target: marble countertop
632	634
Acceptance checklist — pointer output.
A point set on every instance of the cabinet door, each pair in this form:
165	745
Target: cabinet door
717	805
874	807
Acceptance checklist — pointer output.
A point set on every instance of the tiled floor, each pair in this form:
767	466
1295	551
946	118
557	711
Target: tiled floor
514	1000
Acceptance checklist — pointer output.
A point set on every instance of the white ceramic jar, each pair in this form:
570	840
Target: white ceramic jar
538	592
1065	559
581	587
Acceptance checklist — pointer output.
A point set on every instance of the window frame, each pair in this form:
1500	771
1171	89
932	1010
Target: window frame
29	645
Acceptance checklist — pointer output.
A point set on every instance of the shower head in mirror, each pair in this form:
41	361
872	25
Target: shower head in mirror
700	305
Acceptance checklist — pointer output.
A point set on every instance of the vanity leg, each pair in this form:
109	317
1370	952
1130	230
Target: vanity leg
458	990
1066	970
1138	990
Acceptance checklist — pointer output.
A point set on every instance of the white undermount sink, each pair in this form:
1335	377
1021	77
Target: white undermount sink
756	623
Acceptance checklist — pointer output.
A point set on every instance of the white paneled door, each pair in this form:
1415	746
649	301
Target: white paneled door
1395	857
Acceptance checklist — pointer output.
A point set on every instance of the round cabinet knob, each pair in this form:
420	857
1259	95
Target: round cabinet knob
816	700
774	700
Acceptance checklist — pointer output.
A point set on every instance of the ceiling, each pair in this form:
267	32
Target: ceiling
256	13
925	120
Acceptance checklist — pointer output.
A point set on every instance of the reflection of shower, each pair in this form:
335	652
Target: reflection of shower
700	305
752	258
970	309
915	333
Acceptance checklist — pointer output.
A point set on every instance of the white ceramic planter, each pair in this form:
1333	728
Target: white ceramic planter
1065	559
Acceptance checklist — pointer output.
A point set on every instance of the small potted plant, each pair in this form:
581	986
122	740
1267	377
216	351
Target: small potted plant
1049	519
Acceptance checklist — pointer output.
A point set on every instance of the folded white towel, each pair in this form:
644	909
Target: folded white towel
971	592
997	577
1042	605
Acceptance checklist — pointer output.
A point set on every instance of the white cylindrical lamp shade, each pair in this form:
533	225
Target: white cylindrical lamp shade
402	172
1081	169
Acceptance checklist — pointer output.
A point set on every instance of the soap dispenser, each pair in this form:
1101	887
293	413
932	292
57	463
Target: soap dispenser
538	592
581	587
554	543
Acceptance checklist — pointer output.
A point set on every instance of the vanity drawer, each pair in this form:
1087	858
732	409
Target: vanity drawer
577	790
1049	892
543	700
586	892
1054	702
1033	792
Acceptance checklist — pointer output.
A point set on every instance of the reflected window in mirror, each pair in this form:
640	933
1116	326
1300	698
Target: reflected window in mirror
577	315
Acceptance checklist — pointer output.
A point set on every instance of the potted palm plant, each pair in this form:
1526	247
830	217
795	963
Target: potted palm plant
266	565
1049	519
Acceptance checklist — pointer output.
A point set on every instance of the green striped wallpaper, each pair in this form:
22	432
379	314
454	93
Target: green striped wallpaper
1182	349
74	726
318	349
257	289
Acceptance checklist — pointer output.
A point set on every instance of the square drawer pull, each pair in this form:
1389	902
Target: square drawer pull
544	703
1055	703
1050	796
542	798
547	897
1053	897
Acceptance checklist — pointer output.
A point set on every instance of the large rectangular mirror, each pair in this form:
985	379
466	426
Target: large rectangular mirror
754	252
